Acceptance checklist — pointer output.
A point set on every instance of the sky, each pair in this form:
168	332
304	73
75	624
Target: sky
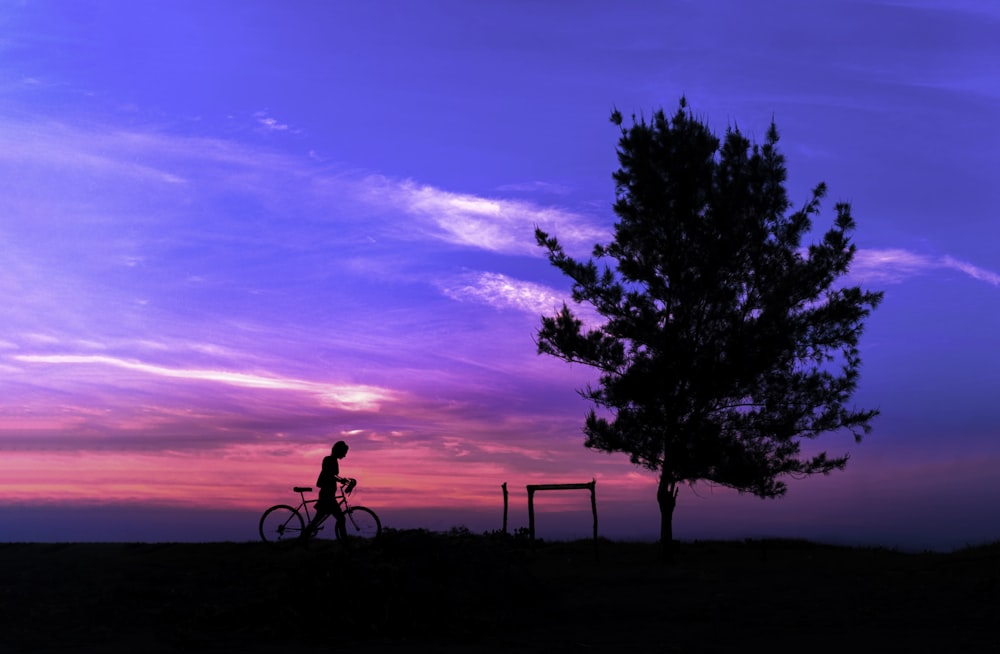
233	233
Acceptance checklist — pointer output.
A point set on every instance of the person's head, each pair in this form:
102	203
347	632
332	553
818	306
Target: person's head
339	449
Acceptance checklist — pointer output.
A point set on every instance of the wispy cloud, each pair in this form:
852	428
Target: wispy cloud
971	270
98	151
152	156
503	292
343	396
892	266
507	293
268	123
497	225
536	186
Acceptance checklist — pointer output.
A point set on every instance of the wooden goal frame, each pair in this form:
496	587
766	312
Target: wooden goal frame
591	486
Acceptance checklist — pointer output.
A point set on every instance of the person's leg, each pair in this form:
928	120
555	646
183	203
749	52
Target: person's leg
338	515
313	525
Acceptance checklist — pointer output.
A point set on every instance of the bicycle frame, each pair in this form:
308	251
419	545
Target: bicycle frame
340	497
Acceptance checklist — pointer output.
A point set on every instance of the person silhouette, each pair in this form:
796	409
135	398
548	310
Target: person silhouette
327	481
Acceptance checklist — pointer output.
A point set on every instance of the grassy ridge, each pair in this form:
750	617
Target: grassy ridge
461	592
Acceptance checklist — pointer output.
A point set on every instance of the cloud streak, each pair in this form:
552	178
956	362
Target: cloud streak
502	292
192	164
894	266
496	225
347	397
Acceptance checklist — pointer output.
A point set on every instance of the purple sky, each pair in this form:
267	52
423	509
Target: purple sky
234	232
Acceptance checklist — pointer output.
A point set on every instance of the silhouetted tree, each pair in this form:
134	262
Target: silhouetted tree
724	342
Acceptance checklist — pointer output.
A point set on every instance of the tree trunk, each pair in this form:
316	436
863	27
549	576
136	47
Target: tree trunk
666	496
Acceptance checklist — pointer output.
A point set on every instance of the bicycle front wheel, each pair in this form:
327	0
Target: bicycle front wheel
361	522
281	524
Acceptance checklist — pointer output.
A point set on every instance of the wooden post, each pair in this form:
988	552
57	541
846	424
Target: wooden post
504	486
531	514
593	507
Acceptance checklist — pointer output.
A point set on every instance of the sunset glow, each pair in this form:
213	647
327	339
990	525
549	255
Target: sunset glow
234	233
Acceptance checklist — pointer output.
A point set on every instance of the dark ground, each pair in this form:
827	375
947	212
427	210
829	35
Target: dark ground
419	591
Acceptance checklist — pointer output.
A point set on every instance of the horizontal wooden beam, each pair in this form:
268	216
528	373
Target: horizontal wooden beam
533	487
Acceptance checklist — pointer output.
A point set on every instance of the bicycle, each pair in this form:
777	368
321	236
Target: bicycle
284	524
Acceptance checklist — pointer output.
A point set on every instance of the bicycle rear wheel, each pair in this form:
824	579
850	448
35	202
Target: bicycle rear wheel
361	522
281	524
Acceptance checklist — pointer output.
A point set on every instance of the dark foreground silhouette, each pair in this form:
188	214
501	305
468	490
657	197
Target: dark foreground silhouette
421	591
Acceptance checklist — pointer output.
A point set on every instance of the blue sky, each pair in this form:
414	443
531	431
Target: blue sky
233	232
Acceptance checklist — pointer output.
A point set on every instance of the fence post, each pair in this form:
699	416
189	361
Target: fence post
531	515
593	507
504	486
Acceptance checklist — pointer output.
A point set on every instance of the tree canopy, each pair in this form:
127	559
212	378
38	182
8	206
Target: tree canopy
724	340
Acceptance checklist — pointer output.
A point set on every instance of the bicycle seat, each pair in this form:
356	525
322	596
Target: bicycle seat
302	489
